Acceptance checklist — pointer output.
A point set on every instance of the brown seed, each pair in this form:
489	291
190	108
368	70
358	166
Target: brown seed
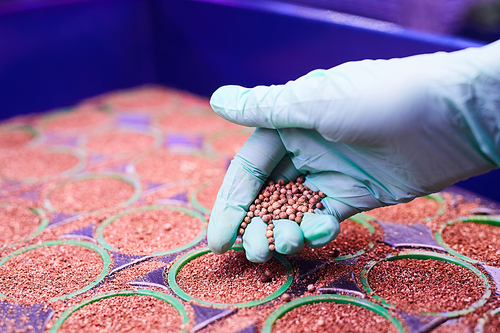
272	247
266	218
270	226
252	208
311	210
304	209
256	212
283	215
247	219
276	205
321	194
319	205
265	204
286	297
311	288
269	233
241	231
300	179
243	225
292	217
281	182
250	214
299	214
270	240
290	210
298	219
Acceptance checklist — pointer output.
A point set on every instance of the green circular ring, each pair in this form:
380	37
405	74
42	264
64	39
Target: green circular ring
134	197
108	221
370	245
104	256
176	267
491	220
340	299
437	197
484	319
78	153
44	222
428	255
143	292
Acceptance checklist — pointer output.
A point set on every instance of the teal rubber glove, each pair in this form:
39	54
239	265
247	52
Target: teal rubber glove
368	134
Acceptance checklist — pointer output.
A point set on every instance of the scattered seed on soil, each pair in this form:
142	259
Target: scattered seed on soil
125	314
417	210
415	285
146	232
18	221
35	163
91	194
43	273
331	317
475	240
120	142
229	278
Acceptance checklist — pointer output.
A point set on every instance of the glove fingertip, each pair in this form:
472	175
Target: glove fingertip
319	230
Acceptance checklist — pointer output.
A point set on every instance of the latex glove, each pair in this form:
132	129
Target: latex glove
367	134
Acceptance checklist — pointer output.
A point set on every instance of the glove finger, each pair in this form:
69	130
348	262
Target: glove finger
255	241
288	237
277	106
244	178
319	229
344	196
285	170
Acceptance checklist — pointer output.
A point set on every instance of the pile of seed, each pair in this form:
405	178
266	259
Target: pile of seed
282	201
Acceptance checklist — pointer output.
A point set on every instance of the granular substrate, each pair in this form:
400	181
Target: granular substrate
146	232
120	143
415	285
229	278
418	210
17	222
492	325
91	194
353	237
46	272
475	240
81	118
15	139
331	317
163	166
136	313
35	163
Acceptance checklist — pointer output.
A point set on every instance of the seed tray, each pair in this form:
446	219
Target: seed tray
181	173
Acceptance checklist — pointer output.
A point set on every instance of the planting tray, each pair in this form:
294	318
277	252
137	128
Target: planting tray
150	233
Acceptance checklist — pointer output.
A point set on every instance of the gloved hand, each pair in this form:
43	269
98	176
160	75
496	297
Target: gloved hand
367	134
